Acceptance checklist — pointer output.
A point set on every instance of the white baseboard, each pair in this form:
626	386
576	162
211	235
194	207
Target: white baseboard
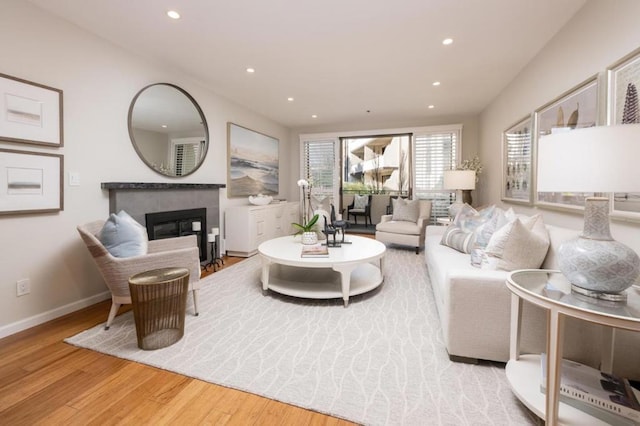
26	323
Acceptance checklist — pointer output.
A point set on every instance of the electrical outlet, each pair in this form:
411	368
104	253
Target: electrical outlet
23	287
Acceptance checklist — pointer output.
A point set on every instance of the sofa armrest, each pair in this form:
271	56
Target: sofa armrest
385	218
468	320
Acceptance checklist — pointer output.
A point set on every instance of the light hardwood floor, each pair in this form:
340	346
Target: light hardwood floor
44	381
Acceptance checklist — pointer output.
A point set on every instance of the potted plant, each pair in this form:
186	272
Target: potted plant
309	236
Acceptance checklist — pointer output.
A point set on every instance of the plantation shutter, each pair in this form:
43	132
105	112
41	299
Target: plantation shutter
319	158
433	154
186	156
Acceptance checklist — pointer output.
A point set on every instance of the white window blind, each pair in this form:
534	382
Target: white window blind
319	167
186	157
433	154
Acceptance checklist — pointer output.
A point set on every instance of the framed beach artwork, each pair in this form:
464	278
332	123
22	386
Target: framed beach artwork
517	165
30	182
622	108
253	162
30	112
574	109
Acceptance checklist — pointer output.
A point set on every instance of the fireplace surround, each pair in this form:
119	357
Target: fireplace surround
140	198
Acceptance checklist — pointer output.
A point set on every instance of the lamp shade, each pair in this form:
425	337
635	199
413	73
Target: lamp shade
594	159
459	179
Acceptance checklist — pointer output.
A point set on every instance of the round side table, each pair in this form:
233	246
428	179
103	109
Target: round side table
159	299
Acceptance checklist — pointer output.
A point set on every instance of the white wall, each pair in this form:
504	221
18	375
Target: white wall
601	33
99	80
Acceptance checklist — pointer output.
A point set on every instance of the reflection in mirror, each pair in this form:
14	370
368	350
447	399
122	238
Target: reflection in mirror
168	130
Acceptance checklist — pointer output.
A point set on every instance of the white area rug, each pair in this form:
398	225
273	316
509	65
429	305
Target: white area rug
380	361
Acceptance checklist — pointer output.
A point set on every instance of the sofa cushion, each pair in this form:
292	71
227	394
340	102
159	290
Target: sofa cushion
458	239
404	210
521	244
497	220
122	236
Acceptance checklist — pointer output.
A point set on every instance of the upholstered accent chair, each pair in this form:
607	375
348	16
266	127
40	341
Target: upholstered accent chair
116	271
360	206
398	228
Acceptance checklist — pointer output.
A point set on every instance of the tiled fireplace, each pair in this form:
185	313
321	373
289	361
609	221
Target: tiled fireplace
140	199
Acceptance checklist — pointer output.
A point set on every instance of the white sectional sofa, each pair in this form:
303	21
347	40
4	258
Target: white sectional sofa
474	309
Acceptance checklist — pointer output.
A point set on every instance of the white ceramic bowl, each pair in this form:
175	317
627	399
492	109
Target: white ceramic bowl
259	200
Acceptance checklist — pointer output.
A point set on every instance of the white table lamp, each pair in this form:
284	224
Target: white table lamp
601	160
459	181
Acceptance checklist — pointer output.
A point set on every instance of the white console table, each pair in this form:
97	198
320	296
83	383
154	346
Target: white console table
246	227
552	291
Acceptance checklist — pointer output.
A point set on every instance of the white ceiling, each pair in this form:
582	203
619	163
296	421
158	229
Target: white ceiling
337	58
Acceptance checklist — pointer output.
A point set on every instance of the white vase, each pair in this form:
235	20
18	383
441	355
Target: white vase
309	237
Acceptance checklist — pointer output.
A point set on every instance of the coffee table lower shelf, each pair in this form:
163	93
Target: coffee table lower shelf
322	283
524	376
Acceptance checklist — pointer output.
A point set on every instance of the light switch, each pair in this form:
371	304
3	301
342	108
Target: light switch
74	179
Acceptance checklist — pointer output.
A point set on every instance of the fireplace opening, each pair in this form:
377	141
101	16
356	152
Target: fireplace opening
179	223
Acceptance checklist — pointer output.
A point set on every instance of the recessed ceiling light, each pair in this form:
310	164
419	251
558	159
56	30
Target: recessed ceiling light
431	106
173	14
447	41
164	126
290	99
251	70
436	83
314	116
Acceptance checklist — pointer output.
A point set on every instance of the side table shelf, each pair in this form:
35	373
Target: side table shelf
551	291
524	376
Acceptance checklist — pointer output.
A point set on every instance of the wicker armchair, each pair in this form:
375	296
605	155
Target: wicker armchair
180	252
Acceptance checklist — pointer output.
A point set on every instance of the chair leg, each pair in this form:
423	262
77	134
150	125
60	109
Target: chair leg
417	250
112	314
195	302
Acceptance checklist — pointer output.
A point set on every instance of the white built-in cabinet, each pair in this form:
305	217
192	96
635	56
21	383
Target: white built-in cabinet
248	226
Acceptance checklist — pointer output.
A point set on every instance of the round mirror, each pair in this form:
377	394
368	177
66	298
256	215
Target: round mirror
168	130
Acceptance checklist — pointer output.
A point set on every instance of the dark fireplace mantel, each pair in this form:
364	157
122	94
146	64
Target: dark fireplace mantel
160	185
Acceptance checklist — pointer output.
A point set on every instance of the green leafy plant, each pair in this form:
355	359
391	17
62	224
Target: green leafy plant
308	227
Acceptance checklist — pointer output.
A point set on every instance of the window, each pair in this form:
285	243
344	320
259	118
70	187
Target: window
435	152
376	164
319	166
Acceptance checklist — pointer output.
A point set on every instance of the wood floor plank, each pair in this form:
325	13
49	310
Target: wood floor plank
44	381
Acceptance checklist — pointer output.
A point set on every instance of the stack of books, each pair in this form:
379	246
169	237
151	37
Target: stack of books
314	250
605	396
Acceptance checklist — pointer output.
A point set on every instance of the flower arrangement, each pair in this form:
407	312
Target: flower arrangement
305	200
473	164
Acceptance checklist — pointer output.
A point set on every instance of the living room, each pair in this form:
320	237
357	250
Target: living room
100	78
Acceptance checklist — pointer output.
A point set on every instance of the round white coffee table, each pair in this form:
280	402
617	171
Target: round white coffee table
346	272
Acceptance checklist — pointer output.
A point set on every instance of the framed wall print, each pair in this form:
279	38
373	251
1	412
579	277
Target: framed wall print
517	166
30	182
622	108
575	109
253	162
30	112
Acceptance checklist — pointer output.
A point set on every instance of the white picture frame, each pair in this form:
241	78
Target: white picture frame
623	83
577	108
517	162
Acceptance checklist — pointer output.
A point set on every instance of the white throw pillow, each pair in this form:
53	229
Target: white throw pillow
498	219
404	210
521	244
122	236
360	202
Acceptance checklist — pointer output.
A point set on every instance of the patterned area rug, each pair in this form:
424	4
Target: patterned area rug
380	361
